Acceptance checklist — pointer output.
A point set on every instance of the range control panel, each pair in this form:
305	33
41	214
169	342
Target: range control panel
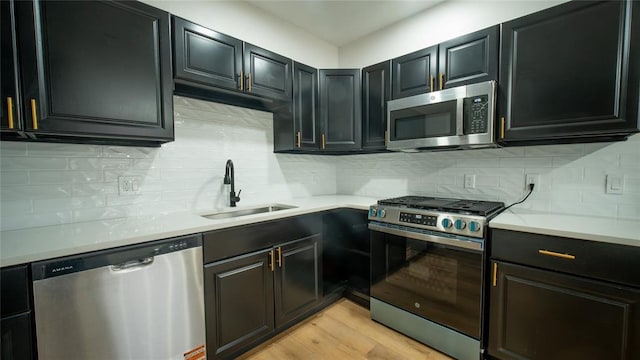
458	224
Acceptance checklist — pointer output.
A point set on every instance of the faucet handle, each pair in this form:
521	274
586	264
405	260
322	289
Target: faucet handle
237	199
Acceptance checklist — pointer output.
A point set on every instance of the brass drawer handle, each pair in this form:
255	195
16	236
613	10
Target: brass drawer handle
433	80
495	274
323	141
10	111
249	82
34	114
279	250
298	136
272	264
556	254
502	127
441	81
241	78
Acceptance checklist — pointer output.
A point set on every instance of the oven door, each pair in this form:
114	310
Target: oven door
437	280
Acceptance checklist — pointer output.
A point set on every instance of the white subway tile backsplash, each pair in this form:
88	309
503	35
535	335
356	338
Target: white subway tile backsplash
43	184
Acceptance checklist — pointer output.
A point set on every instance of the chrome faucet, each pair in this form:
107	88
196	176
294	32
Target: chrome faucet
229	180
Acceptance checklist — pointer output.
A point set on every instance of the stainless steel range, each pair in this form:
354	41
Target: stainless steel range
427	269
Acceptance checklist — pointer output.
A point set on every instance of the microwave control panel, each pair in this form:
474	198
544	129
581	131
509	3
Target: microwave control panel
476	109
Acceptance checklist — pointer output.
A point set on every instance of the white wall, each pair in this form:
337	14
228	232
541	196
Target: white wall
250	24
45	184
442	22
572	176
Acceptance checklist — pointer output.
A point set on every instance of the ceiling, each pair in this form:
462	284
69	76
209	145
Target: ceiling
340	22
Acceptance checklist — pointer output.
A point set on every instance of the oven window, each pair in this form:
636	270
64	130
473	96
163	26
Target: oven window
440	283
424	121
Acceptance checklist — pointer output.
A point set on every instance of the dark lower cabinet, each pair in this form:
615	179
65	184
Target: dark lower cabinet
16	320
570	74
95	71
537	314
376	91
259	280
340	109
239	302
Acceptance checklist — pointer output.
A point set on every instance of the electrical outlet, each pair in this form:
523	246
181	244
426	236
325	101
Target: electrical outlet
531	179
614	184
128	185
469	181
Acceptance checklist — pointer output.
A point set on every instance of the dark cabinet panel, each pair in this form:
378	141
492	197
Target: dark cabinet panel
564	74
15	284
239	302
17	339
415	73
93	69
376	91
297	281
10	108
340	109
268	74
206	57
305	106
469	58
538	314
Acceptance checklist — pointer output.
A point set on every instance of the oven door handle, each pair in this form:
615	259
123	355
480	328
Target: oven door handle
459	243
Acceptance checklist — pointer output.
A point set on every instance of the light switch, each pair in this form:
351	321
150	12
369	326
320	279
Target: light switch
614	184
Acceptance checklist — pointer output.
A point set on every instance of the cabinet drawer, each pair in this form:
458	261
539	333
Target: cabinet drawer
598	260
15	290
222	244
16	339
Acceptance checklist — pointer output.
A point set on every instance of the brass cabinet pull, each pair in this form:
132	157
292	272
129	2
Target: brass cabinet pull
241	78
249	82
34	114
433	80
494	282
10	111
323	141
385	138
502	127
271	265
556	254
279	250
298	136
441	81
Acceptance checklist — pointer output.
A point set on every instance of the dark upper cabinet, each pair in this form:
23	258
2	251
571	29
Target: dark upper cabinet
340	109
305	106
209	60
415	73
376	91
204	57
469	58
570	73
95	71
10	109
267	73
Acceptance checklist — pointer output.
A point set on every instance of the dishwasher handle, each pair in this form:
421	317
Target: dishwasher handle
132	264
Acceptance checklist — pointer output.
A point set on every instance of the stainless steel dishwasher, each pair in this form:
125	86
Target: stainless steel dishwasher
135	302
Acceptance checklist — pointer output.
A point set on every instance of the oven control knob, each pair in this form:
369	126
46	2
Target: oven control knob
446	223
381	213
460	224
372	212
474	226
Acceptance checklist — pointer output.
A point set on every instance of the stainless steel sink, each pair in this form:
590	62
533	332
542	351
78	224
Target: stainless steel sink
248	211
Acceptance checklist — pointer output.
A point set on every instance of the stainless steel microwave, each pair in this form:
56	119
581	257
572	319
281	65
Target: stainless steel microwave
460	117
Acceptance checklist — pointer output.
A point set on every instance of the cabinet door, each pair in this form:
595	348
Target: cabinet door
415	73
268	74
305	106
297	281
376	91
238	301
96	69
9	92
564	73
206	57
16	341
538	314
468	59
340	109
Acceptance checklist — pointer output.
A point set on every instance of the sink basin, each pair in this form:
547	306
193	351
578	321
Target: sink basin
248	211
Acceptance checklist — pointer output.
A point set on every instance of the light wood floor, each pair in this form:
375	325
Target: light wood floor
342	331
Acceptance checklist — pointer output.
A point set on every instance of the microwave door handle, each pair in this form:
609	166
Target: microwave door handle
459	116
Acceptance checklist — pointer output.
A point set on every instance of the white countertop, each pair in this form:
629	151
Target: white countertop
47	242
611	230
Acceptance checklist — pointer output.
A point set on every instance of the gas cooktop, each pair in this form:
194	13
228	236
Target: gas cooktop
460	206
